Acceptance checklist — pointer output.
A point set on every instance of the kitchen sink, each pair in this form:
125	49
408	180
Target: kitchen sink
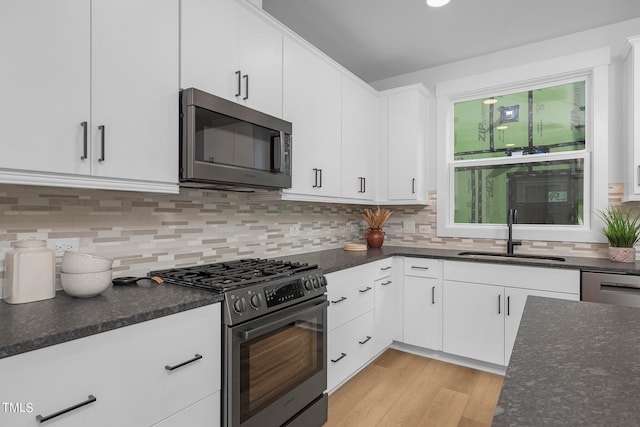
498	255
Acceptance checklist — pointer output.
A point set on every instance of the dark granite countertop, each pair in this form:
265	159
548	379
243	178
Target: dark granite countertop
574	363
25	327
339	259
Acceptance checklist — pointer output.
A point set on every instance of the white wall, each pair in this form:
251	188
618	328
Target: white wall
613	36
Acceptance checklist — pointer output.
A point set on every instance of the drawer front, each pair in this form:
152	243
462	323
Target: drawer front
422	267
349	348
383	268
350	293
204	413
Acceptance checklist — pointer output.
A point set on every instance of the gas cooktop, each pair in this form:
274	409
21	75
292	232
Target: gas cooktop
228	275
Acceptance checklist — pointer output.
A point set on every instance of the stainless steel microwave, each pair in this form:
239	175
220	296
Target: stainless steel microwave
226	145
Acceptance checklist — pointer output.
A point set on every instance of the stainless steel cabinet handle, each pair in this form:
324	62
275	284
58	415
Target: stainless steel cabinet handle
246	86
90	399
102	141
365	341
239	75
386	283
180	365
85	141
340	300
367	289
342	356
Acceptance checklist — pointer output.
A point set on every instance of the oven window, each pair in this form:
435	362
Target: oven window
275	363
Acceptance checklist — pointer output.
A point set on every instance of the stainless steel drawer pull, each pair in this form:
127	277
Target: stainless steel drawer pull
340	300
342	356
388	282
417	267
365	341
41	419
180	365
367	289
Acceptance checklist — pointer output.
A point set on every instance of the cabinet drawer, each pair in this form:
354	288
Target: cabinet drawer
422	267
350	293
382	268
124	369
349	347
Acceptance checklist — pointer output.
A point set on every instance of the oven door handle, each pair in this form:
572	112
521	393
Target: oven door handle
249	334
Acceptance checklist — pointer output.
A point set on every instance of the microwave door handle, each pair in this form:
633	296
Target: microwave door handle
278	158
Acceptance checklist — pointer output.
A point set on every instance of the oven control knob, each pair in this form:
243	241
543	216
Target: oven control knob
255	301
316	283
308	285
238	306
322	280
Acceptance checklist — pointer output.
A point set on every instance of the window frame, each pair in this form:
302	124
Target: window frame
590	66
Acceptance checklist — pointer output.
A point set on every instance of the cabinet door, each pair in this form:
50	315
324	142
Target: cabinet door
407	139
388	306
45	84
515	301
260	64
311	101
423	312
473	321
134	89
204	413
210	46
360	139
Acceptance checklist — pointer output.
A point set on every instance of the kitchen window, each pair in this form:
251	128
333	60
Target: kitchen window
525	139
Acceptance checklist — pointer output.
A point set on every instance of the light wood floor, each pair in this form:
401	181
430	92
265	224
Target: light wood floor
402	389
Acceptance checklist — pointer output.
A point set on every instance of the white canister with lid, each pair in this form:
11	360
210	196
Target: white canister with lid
30	273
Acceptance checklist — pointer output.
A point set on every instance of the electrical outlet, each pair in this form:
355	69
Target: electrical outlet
409	227
61	245
355	228
294	230
424	229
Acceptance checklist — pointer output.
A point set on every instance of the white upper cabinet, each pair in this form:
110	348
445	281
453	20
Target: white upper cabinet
134	89
312	102
404	149
90	94
360	140
632	118
232	52
45	84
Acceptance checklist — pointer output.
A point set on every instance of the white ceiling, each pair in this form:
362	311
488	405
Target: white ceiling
376	39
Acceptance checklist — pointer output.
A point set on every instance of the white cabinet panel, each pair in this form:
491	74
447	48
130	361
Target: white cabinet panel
45	84
360	140
312	103
350	293
473	321
632	118
204	413
388	303
349	348
423	312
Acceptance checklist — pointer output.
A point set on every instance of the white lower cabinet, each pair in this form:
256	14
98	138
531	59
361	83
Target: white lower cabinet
423	303
388	302
120	377
350	319
205	412
483	305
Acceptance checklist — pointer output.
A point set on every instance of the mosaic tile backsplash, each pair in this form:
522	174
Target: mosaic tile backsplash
144	231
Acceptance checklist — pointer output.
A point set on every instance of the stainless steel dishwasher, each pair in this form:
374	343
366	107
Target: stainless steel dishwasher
611	288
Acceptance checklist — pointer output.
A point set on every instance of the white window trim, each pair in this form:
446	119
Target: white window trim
593	66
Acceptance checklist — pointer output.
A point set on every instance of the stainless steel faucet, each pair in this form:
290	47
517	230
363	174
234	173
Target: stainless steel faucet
512	218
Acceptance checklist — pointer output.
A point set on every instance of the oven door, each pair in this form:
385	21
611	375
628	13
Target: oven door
275	365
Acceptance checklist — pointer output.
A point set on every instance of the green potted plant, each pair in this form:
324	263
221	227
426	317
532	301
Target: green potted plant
622	230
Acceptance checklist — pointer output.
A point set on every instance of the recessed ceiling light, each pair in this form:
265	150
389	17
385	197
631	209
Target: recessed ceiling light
490	101
437	3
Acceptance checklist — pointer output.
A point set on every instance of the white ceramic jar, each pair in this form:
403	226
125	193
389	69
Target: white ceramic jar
30	273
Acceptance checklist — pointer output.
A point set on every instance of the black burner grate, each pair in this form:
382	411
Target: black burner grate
227	275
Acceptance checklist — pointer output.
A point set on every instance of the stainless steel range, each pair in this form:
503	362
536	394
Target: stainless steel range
274	339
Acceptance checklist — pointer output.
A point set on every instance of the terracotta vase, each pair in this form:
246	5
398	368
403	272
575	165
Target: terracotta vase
622	254
375	237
